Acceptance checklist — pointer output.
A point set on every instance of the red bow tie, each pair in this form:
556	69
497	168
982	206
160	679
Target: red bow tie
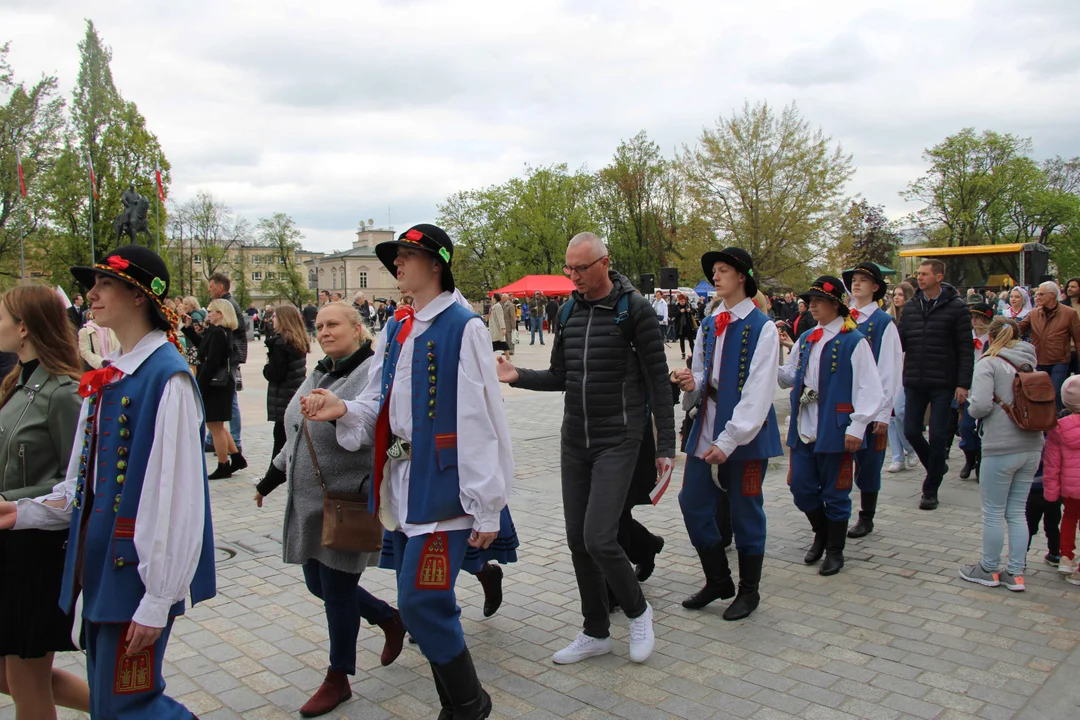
92	382
815	336
855	314
978	344
722	320
404	315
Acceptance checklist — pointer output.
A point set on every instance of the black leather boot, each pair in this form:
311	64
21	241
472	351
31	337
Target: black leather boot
819	523
468	700
224	470
718	584
748	598
644	569
447	711
971	458
834	548
865	525
491	578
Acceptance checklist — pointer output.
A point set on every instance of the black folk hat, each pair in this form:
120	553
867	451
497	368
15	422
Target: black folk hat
424	236
830	288
736	258
871	270
982	308
139	267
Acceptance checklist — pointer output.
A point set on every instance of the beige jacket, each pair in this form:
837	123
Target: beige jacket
89	343
497	323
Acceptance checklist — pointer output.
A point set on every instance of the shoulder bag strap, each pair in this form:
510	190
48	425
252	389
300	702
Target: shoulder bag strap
314	460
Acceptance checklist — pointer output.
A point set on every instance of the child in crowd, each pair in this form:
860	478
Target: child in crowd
1061	475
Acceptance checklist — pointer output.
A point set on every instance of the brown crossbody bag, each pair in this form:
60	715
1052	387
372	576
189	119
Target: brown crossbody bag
347	524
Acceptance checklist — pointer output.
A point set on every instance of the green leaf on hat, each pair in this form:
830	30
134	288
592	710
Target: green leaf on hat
157	286
444	254
750	272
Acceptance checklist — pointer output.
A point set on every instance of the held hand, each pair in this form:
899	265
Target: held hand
140	637
482	540
258	499
685	378
714	456
880	428
506	371
663	465
322	405
852	443
7	515
961	396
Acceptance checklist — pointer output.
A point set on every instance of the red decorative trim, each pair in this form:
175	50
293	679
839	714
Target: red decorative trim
135	672
751	479
446	441
847	472
845	408
433	570
125	528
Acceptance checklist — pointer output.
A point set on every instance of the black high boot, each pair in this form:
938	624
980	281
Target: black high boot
468	700
447	711
644	569
865	525
819	523
970	459
491	578
718	584
748	598
834	548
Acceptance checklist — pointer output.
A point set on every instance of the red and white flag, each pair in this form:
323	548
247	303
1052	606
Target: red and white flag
157	178
93	180
18	167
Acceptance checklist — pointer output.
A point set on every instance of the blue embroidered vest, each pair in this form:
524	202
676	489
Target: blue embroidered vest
126	417
434	488
835	378
874	330
740	344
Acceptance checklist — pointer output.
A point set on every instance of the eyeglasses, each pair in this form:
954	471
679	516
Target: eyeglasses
580	269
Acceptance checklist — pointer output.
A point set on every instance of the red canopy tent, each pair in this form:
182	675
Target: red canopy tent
530	284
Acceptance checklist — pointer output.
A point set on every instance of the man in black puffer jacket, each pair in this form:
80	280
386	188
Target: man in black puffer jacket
935	332
612	366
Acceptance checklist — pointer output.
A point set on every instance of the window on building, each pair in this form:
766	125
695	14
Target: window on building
254	259
363	279
270	275
256	276
196	259
333	278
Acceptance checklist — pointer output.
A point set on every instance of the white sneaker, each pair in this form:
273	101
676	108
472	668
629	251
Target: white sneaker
912	461
1066	566
642	639
584	646
895	467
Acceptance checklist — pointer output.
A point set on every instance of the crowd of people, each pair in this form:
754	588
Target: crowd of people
106	518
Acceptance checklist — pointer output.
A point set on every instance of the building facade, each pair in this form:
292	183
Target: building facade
355	270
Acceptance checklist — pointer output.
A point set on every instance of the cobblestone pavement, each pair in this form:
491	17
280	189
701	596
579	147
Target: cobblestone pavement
895	634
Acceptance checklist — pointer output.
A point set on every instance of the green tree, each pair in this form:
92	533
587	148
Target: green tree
204	231
32	121
637	200
867	236
770	184
280	233
478	221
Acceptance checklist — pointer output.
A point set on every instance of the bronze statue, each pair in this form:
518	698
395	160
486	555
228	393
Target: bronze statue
133	218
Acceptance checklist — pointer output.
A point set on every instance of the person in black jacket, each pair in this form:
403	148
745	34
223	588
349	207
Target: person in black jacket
219	287
935	332
612	366
287	349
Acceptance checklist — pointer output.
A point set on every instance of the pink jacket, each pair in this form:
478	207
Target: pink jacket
1061	460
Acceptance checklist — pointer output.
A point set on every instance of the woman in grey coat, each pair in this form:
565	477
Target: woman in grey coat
331	575
1010	458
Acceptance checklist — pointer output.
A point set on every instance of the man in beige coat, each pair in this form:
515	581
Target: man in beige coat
497	326
511	322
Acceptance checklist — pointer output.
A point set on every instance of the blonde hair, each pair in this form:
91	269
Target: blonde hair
353	317
1004	333
228	315
192	302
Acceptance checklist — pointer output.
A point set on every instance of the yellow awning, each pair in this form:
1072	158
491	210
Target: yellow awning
966	250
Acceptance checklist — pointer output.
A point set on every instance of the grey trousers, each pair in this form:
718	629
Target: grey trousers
595	482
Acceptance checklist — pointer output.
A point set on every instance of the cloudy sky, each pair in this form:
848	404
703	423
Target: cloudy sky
337	111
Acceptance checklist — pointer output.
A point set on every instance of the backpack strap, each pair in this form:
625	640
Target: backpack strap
564	312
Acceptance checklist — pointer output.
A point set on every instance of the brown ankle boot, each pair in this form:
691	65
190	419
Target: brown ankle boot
394	631
334	691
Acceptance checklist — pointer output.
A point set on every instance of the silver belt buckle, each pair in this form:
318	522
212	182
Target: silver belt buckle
399	450
808	397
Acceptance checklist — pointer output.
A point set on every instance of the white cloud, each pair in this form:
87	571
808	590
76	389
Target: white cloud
333	111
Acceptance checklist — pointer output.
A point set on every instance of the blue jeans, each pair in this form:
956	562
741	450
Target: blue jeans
900	446
345	602
536	325
1059	373
1004	483
931	454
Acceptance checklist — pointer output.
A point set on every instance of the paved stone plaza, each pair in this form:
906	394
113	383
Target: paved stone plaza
895	635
